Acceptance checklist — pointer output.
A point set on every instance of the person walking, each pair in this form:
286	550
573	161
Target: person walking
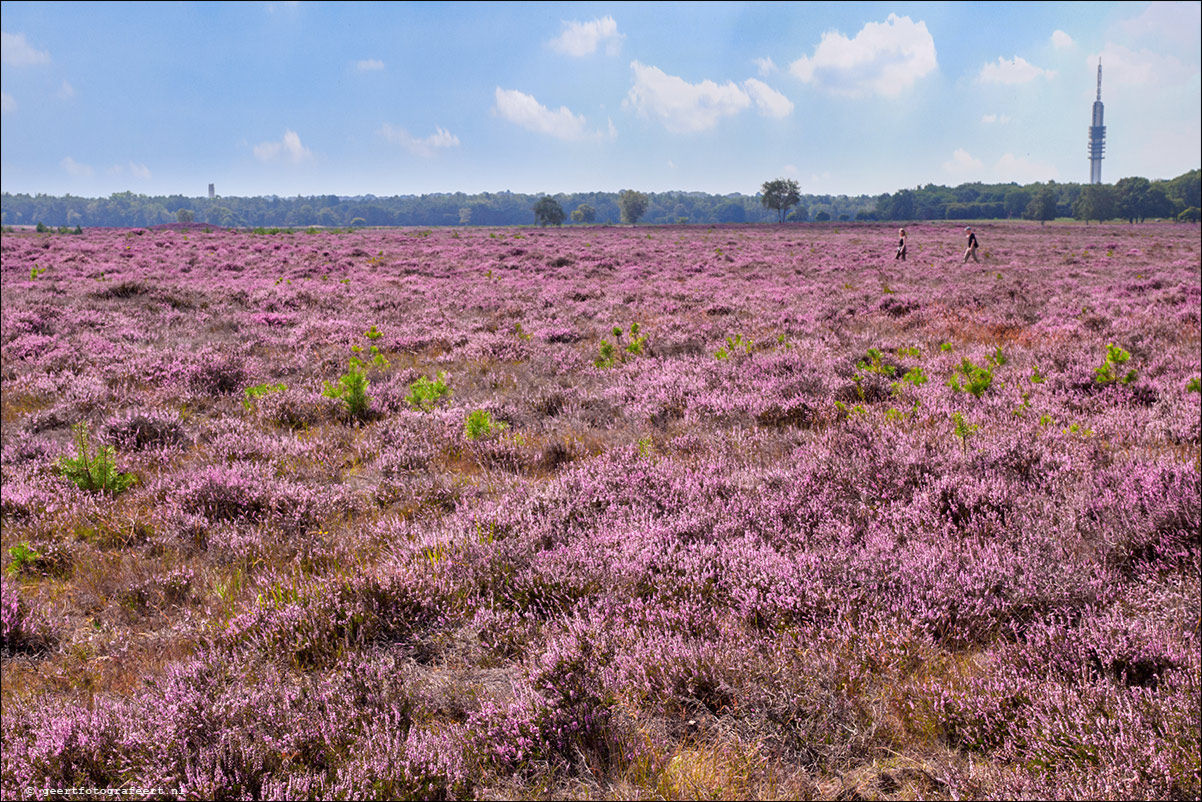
971	250
901	246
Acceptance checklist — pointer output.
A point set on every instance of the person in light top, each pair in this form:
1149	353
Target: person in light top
971	250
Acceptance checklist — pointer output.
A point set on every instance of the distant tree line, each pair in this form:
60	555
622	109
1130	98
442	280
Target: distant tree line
1130	198
126	209
1134	199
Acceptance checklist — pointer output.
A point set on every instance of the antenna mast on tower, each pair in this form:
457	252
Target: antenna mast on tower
1097	135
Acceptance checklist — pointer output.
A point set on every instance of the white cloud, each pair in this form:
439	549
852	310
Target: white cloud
1016	71
963	164
134	169
582	38
680	106
790	169
66	91
1126	67
884	58
522	109
427	147
75	168
290	148
765	66
770	102
1175	22
7	104
995	118
1061	39
369	65
16	51
1023	170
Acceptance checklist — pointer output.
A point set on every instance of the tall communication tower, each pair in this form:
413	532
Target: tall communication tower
1097	135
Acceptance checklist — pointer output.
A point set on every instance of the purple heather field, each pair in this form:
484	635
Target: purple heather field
626	513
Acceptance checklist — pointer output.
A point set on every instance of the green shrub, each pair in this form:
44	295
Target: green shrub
260	390
963	430
734	345
479	423
425	394
607	355
1108	373
94	470
977	378
22	557
352	389
915	377
872	363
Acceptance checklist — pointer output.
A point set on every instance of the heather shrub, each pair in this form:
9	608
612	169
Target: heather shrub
27	448
172	589
312	623
245	493
257	391
297	409
22	630
1146	515
96	746
140	430
214	371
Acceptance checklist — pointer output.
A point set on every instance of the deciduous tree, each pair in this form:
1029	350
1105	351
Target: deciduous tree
632	205
780	195
584	214
548	212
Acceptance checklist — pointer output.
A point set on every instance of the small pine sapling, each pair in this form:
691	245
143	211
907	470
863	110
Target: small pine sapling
94	470
352	389
480	423
425	394
1109	372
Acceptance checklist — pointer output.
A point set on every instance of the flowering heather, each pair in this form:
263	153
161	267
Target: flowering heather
759	512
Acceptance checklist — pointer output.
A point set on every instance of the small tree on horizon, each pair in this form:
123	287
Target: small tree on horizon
1096	202
584	214
780	194
548	212
1043	206
632	204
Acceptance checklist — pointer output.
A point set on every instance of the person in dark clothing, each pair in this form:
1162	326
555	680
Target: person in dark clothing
971	250
901	246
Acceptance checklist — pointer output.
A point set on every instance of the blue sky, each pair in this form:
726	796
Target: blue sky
321	98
